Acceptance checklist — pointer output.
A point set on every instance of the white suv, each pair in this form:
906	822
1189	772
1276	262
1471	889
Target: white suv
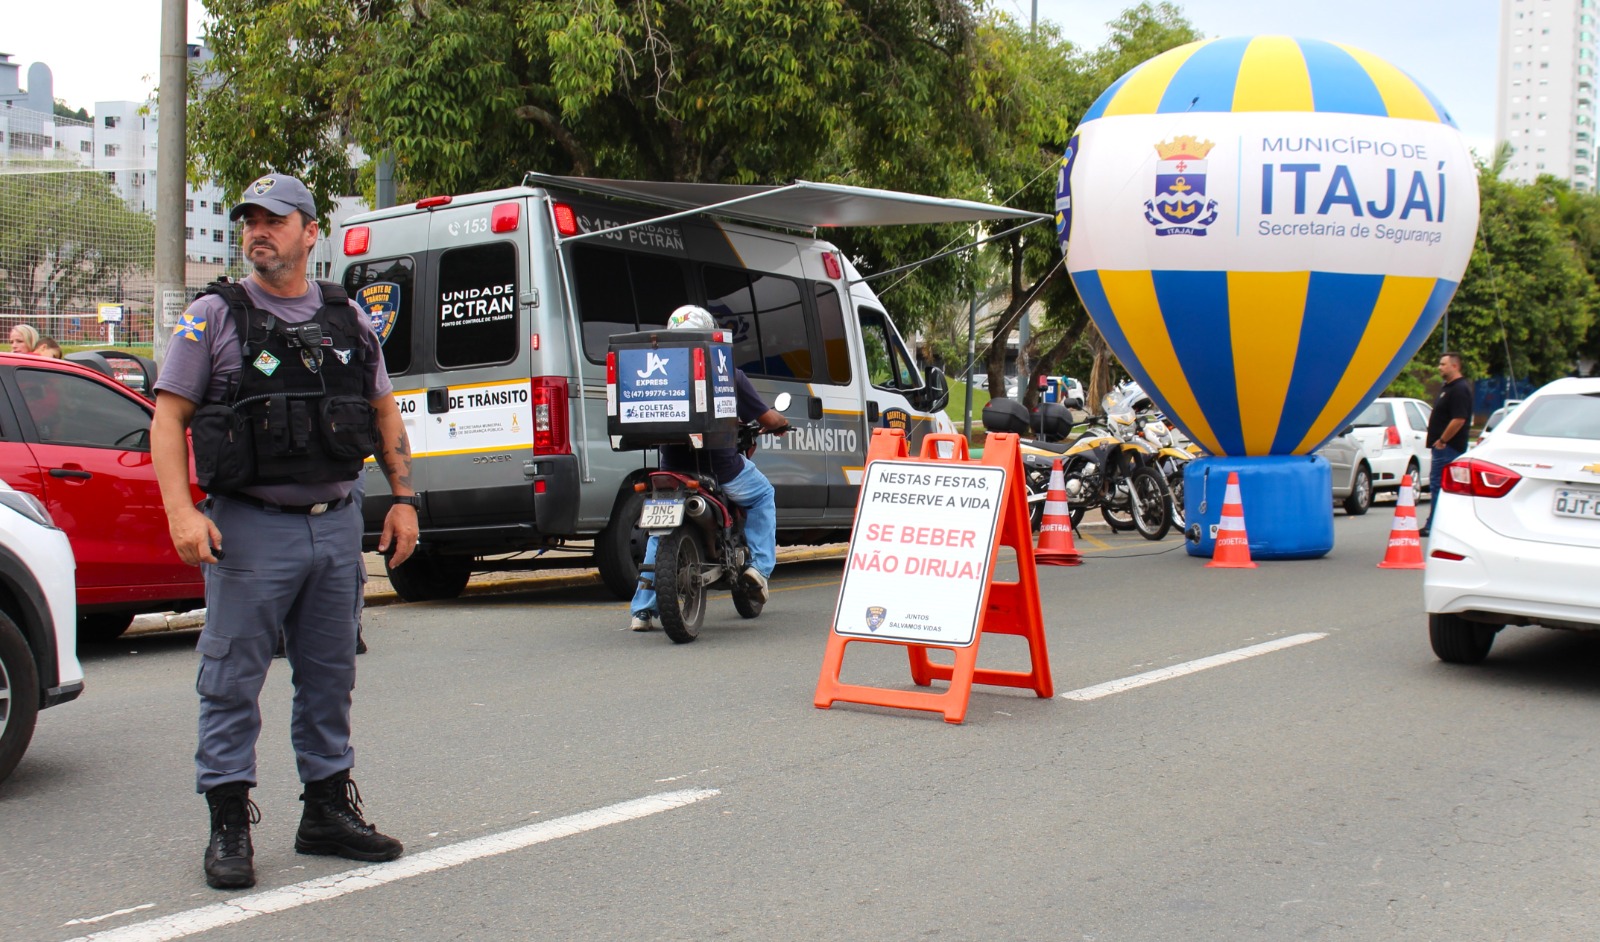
1395	435
38	621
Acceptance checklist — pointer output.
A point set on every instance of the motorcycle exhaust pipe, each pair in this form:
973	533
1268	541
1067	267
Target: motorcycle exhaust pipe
698	509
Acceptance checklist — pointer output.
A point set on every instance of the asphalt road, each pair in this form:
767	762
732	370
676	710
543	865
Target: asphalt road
1346	787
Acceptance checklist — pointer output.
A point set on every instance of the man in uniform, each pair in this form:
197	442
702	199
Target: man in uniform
281	382
1447	427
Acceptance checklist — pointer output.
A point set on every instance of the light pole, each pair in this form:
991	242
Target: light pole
172	159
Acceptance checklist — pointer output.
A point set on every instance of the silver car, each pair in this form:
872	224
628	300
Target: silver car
1352	471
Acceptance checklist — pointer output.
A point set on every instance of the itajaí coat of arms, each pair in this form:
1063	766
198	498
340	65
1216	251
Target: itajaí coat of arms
1180	206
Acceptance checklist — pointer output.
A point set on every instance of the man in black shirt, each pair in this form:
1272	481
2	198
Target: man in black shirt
1447	426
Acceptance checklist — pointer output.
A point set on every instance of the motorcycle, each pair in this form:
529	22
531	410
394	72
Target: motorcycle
702	545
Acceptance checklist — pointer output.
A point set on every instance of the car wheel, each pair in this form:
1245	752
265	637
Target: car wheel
19	695
619	548
1459	641
425	578
1418	485
1360	498
103	627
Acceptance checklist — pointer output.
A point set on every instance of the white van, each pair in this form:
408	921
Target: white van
495	310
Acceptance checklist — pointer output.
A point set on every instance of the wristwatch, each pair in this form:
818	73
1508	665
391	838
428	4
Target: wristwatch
410	500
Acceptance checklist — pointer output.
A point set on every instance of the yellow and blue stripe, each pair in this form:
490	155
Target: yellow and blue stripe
1269	73
1257	363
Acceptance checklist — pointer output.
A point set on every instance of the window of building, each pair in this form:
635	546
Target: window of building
86	147
188	206
477	305
111	150
202	204
216	235
216	209
112	120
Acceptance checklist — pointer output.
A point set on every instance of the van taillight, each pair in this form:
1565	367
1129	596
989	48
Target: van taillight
429	202
550	416
830	264
1391	438
356	240
505	217
566	219
1476	478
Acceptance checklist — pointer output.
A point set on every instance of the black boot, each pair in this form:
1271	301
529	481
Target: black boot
230	856
332	823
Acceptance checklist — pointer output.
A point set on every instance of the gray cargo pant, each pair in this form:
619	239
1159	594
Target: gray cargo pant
301	574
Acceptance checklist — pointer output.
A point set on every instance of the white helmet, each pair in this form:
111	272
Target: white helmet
691	317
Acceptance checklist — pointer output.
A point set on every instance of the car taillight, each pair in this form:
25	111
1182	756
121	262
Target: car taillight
505	217
566	219
1477	478
1446	554
550	416
1391	438
356	240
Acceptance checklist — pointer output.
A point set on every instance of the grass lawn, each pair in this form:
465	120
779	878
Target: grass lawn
142	349
956	407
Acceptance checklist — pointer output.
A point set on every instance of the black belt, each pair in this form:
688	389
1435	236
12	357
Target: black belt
310	510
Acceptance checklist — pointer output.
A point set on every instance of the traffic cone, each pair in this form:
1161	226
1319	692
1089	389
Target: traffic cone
1405	546
1055	528
1232	549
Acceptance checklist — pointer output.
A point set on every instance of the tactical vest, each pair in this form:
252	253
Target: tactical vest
295	413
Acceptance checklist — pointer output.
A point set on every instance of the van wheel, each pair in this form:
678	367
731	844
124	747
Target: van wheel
103	627
19	695
425	578
619	548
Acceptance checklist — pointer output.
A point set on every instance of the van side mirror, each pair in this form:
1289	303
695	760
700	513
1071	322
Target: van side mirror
935	395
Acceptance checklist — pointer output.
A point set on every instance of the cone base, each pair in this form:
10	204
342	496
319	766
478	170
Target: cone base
1419	564
1247	564
1057	558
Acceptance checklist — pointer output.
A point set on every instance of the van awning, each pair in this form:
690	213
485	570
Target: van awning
798	205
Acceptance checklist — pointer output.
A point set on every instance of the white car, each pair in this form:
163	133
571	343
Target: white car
38	621
1495	418
1395	434
1516	535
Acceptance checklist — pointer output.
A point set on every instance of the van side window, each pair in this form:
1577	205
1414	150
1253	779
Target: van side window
383	289
767	319
621	292
477	305
888	366
835	346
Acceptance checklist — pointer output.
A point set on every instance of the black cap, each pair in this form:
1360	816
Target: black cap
278	194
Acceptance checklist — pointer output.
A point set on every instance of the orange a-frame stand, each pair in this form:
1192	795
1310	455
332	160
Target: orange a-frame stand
1009	608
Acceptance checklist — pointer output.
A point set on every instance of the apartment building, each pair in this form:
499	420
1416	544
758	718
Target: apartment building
1546	108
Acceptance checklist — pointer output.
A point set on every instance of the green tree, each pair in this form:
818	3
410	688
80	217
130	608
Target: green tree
65	238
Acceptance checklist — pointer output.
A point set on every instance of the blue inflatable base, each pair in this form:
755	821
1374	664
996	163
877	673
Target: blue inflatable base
1288	504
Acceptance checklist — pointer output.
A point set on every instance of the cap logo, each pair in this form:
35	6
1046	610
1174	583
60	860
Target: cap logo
263	185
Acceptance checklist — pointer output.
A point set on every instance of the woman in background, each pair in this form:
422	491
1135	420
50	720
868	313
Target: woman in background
24	338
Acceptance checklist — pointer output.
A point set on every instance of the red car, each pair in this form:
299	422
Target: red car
80	442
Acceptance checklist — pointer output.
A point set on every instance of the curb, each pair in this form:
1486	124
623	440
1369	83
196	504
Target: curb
515	582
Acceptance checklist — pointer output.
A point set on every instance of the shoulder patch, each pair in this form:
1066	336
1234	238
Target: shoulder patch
190	326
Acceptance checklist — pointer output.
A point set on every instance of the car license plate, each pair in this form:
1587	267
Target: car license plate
1571	502
661	514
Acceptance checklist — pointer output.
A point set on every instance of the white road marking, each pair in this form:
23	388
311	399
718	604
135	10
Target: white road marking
206	918
94	919
1189	667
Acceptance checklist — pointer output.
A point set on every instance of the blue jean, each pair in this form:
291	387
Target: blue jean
752	491
1441	457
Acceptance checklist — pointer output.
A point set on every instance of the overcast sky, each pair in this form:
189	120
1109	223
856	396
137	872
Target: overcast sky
103	50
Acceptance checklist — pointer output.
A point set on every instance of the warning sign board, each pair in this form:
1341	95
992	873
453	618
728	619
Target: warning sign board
920	552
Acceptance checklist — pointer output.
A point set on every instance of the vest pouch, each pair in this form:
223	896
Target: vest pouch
224	451
283	427
349	427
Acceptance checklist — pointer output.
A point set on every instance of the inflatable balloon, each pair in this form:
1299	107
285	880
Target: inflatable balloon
1265	229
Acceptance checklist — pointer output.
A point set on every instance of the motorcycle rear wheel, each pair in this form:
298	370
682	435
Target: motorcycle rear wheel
1152	514
680	591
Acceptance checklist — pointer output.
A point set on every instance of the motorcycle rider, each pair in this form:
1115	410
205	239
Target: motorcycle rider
739	478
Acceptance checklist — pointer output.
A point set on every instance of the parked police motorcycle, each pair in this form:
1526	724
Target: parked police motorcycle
702	545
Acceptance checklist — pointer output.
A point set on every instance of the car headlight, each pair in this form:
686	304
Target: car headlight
29	506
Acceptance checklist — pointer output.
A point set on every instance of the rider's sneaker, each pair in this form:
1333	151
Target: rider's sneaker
757	582
642	621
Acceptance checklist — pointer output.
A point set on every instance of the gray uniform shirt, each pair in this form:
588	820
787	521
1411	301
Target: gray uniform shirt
204	352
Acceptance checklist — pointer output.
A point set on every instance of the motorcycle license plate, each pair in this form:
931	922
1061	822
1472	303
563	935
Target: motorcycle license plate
661	514
1571	502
